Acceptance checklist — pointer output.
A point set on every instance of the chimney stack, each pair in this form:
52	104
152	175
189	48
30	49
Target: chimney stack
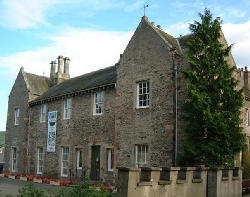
62	73
66	65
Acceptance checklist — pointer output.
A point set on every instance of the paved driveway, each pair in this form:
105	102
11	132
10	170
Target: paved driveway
11	187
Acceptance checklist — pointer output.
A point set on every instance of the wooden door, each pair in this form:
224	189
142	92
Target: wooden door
95	163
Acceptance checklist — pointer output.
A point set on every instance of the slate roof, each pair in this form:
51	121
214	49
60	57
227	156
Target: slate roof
183	40
100	78
36	84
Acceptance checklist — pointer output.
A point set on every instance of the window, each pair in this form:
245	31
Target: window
17	114
67	108
65	161
79	159
98	103
14	160
143	94
43	113
247	116
39	160
141	155
110	159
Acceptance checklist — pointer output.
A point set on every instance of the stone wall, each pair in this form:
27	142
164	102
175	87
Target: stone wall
16	135
81	131
179	182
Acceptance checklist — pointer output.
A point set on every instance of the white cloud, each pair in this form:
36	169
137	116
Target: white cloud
178	29
238	34
88	50
22	14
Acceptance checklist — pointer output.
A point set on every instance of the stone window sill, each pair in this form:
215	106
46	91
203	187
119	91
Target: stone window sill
235	178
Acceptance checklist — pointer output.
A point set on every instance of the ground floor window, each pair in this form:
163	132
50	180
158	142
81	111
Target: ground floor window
39	160
110	159
141	155
14	159
79	159
65	161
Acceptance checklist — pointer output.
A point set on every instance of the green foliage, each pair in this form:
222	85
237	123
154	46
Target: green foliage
213	107
85	189
30	191
246	166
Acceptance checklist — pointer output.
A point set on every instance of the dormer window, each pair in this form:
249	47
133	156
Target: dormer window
67	109
43	113
98	103
17	115
143	94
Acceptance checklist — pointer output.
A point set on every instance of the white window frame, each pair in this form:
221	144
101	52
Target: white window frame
98	104
17	116
247	116
141	85
13	159
110	159
78	154
43	112
65	162
143	148
67	108
40	159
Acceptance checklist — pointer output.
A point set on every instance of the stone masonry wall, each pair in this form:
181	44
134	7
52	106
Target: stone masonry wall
16	134
146	57
81	131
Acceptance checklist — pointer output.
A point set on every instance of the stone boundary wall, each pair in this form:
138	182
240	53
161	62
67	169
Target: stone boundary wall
179	182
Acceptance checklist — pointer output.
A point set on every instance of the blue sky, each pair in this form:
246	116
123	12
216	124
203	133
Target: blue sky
94	33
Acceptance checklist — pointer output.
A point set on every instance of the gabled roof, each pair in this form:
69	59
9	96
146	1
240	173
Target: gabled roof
36	84
96	79
170	40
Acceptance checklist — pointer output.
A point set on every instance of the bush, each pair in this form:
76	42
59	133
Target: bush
246	166
86	189
30	191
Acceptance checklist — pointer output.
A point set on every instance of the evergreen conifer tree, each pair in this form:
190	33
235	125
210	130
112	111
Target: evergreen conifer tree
213	134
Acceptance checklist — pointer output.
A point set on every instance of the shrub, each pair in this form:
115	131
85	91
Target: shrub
30	191
246	166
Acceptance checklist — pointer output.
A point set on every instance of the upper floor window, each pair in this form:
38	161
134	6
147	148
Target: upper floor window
143	94
247	116
67	109
17	115
98	103
141	155
43	113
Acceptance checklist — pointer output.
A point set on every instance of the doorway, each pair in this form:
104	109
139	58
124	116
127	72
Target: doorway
95	163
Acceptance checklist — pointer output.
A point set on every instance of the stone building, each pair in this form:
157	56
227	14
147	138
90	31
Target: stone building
123	115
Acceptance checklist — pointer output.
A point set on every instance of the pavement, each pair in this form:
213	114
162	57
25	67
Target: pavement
11	187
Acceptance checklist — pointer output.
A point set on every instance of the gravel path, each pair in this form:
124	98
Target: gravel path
11	187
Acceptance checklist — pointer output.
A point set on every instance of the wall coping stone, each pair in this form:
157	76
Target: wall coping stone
163	182
196	180
145	183
150	169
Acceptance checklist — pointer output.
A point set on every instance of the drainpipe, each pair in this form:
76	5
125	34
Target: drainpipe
176	112
173	53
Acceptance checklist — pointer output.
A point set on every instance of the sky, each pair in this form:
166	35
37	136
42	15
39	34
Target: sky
93	33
